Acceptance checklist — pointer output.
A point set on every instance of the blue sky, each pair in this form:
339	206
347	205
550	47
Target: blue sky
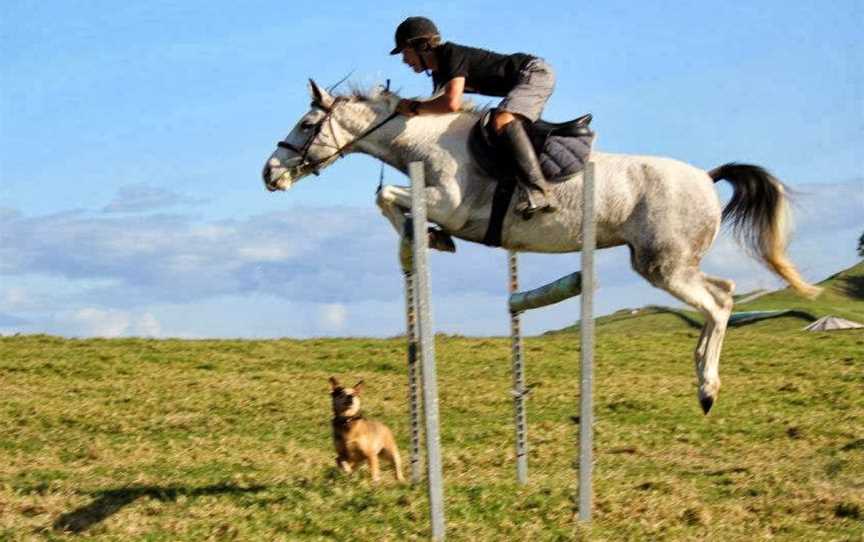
132	136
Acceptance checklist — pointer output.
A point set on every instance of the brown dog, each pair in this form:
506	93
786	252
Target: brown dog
358	439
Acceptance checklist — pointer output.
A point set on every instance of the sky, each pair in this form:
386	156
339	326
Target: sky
132	137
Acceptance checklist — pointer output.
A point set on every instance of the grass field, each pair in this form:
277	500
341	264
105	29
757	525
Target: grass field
133	439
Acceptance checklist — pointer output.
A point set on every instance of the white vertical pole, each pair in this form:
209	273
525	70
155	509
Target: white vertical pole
586	326
427	348
518	367
414	388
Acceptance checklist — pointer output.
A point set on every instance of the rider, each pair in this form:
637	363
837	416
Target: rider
525	82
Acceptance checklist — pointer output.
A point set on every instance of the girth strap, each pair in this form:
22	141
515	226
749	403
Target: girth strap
500	203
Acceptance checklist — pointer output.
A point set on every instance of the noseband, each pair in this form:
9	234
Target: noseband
339	149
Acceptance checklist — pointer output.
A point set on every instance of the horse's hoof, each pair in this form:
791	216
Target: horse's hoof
708	394
706	402
439	240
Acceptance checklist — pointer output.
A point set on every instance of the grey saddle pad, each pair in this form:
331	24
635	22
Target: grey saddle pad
561	154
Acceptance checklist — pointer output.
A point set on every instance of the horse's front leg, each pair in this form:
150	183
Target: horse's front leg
395	202
397	217
390	208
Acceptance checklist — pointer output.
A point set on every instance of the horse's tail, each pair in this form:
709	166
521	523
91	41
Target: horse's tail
759	216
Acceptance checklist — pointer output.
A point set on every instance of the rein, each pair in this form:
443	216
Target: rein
340	149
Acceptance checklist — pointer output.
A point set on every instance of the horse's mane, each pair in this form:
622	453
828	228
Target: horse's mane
376	92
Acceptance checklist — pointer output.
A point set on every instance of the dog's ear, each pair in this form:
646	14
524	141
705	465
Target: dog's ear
358	387
333	383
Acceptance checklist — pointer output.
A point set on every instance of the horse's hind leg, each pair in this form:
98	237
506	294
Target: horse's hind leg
722	293
721	290
710	296
692	287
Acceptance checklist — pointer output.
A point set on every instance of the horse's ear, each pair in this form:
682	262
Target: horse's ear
319	95
334	383
358	387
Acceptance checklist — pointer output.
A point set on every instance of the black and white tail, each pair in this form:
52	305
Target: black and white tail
758	215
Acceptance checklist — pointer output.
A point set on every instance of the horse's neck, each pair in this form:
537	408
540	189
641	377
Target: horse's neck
427	138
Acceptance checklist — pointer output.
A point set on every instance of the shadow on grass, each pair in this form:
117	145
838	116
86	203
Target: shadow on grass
791	313
110	501
695	323
686	318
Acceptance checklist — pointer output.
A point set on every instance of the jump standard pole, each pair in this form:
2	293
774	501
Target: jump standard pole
426	338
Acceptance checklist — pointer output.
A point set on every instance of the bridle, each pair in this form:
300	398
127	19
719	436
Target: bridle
303	151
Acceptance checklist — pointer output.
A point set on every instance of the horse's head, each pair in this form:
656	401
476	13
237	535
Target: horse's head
324	134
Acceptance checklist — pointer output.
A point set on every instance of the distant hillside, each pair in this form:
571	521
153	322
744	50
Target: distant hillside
843	296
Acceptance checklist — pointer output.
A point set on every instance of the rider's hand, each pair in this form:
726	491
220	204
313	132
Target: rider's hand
407	107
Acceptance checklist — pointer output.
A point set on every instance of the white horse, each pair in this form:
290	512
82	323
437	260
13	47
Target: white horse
667	212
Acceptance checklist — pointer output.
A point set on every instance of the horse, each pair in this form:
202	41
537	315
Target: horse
666	211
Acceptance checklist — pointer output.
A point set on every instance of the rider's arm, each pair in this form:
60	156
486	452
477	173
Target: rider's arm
447	102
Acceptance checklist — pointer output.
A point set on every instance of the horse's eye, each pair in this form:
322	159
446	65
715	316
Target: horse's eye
306	125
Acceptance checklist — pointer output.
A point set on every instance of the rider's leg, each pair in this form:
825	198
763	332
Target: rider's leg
522	106
501	119
512	130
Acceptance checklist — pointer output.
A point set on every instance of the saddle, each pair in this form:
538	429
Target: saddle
562	148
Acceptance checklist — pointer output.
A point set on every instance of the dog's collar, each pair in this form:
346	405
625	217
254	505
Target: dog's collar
346	420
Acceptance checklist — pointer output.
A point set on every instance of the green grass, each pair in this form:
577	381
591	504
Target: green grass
835	299
842	295
138	439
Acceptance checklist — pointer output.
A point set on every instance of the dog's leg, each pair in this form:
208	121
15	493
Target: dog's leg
374	467
391	452
344	464
397	463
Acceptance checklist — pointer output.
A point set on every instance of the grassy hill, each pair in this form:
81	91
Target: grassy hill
133	439
843	296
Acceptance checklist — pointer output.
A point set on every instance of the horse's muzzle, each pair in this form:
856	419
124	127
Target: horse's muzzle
279	178
271	181
266	176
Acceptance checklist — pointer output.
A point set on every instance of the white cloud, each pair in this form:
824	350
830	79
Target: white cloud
170	258
136	198
146	325
101	322
332	316
330	271
14	298
264	253
828	207
92	322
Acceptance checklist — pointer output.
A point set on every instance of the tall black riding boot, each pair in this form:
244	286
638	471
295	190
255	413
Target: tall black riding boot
535	193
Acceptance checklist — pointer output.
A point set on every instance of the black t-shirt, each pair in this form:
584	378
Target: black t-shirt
485	72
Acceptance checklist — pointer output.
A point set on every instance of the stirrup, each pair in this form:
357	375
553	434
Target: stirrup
529	212
528	208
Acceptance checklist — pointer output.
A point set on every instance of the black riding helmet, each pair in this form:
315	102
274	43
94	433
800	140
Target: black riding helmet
411	29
